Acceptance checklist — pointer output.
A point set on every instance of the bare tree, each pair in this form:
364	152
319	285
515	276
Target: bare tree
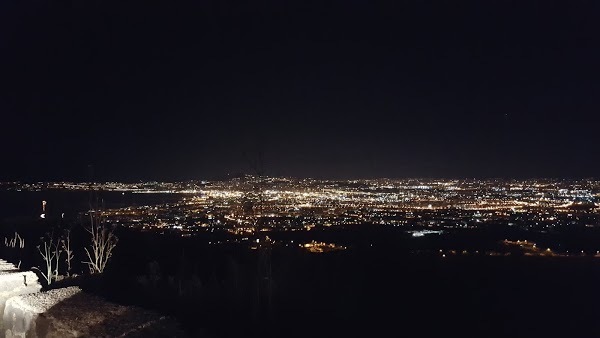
13	242
103	243
18	243
57	254
50	253
21	241
66	246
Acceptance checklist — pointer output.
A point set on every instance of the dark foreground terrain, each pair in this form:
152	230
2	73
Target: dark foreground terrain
399	286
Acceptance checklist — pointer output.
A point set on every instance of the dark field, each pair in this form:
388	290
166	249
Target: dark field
386	284
375	292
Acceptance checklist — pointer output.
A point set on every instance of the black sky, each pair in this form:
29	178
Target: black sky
182	90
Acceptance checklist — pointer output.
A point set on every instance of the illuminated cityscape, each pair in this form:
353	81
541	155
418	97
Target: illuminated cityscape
250	208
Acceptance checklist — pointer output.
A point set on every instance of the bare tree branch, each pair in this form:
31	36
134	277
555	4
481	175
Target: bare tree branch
66	247
103	243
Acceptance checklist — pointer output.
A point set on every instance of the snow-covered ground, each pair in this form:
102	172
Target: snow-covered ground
42	301
70	312
14	283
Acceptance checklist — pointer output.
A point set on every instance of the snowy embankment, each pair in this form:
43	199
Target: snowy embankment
42	301
14	282
71	312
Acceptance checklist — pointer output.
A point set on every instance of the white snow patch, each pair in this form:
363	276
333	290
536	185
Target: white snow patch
41	302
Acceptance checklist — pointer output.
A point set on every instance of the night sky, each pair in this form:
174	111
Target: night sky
348	89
